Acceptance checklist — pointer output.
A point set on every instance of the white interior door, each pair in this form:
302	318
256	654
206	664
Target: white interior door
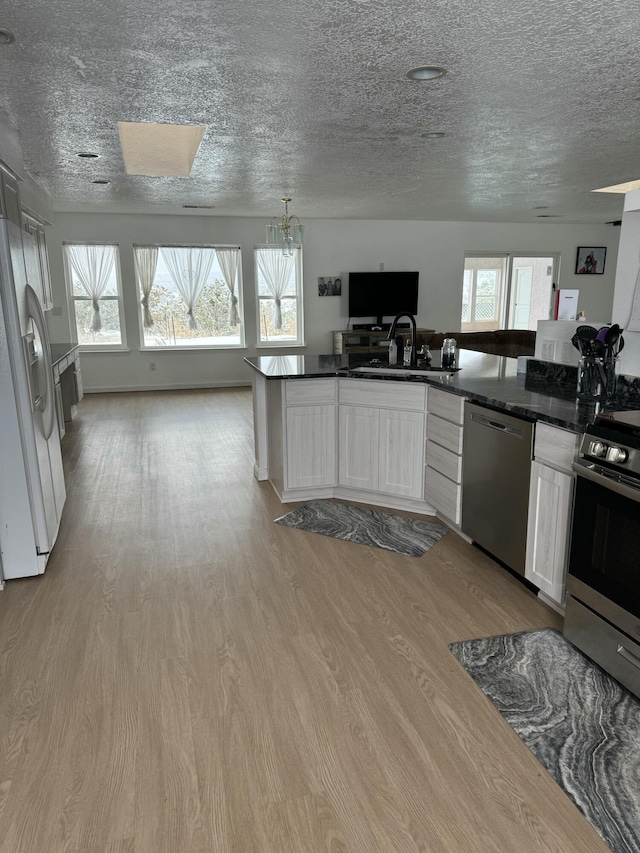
522	284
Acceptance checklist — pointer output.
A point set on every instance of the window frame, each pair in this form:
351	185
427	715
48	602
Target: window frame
71	297
189	347
299	298
506	290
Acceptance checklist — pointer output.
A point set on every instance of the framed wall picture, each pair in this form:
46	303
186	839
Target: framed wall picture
590	260
329	286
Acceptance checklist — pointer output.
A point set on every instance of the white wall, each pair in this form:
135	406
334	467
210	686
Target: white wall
627	279
332	248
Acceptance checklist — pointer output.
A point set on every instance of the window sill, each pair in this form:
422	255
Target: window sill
207	348
102	350
279	345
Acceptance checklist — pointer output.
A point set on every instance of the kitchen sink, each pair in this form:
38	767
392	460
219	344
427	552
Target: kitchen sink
406	371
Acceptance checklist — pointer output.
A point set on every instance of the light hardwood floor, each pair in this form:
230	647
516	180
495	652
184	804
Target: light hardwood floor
188	676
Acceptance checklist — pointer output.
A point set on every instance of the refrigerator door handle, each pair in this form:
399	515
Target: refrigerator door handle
46	401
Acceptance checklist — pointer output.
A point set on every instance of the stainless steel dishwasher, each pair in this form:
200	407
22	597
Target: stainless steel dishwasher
496	465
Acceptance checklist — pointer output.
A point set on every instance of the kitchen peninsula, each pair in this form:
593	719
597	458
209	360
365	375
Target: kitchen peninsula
325	429
487	379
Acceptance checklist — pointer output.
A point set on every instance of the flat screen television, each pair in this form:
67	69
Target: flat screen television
382	294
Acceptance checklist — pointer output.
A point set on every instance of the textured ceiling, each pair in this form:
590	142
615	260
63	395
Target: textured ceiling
541	104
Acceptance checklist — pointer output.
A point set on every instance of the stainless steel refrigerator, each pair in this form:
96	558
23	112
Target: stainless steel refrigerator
32	489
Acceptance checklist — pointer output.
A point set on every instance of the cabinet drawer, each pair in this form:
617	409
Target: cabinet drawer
381	394
555	446
444	461
446	405
443	494
305	392
444	433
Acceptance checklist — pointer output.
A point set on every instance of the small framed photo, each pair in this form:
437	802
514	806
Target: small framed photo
590	260
329	286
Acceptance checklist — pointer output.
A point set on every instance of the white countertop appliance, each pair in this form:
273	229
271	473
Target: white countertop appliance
32	489
553	340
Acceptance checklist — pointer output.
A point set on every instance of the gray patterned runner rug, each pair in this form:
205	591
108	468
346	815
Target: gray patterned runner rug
379	529
580	723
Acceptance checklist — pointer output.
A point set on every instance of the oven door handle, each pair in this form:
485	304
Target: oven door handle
628	656
608	479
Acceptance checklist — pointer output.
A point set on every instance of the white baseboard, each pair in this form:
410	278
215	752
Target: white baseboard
551	603
181	386
357	496
260	473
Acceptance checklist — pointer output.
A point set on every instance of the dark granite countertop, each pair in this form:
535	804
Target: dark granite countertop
60	350
489	379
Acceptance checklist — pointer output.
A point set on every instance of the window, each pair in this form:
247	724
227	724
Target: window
190	296
482	289
93	278
506	291
279	286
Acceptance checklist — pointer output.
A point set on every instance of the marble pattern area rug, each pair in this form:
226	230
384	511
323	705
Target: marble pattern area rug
409	536
580	723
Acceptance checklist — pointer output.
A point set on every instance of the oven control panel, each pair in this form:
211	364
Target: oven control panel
617	455
613	453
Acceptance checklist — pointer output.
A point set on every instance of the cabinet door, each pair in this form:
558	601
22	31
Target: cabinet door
401	453
10	199
59	410
358	455
550	506
45	275
77	377
311	446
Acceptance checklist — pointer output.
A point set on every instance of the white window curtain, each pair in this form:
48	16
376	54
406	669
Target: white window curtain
229	260
189	269
146	262
276	269
93	266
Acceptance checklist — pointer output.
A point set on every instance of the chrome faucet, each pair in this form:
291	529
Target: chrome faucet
414	336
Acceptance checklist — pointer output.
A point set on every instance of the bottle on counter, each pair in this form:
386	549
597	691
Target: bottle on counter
393	352
424	355
449	352
406	361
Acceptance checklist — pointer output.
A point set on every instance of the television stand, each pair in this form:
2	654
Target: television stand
378	327
365	340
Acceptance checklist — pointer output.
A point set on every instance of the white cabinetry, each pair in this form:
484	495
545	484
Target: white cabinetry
382	430
401	458
550	510
10	198
358	456
310	433
443	480
37	260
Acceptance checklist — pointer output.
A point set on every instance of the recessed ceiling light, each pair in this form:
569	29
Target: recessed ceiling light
433	134
101	181
426	72
542	207
87	155
6	37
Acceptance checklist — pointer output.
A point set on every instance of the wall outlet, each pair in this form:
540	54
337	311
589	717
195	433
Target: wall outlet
152	366
381	267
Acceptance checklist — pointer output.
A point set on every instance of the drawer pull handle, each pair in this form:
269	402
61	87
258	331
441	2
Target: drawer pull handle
628	656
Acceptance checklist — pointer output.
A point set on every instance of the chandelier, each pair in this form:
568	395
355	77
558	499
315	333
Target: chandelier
285	230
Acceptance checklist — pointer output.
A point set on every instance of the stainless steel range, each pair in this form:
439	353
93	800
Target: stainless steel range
603	586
